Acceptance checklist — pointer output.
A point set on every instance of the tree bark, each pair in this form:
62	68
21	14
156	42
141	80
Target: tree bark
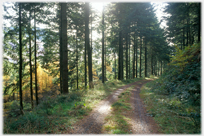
87	44
30	53
61	72
187	30
199	21
20	60
140	57
36	84
120	61
126	56
103	46
145	58
64	48
77	59
151	63
104	59
129	56
115	63
136	57
161	67
133	57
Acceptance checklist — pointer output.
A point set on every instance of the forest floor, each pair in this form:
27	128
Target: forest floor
138	119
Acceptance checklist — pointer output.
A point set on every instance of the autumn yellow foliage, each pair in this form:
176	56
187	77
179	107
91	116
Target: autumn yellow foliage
185	56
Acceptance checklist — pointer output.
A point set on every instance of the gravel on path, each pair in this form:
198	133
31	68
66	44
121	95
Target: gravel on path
93	123
141	123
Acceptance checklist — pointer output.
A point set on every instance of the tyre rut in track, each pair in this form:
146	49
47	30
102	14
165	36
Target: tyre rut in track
93	123
141	123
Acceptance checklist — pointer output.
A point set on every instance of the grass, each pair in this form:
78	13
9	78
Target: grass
168	112
117	121
57	114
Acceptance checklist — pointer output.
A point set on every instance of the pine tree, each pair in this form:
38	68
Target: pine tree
103	78
63	46
20	61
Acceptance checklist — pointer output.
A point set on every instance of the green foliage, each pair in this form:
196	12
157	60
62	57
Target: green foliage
183	22
14	106
60	112
182	78
174	99
186	56
30	120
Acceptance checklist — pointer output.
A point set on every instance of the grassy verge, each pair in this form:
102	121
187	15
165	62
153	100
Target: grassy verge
117	121
57	114
171	115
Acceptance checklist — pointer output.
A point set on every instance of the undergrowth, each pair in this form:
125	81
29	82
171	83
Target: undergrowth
55	115
174	99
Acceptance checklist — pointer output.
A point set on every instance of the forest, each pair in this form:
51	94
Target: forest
62	60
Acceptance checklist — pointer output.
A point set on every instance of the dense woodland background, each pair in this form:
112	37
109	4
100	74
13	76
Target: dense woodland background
61	57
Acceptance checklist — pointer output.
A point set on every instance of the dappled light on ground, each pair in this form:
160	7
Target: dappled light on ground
93	123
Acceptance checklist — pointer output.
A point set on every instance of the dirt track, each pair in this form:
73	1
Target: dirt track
141	124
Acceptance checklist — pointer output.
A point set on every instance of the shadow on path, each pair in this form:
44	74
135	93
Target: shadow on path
93	123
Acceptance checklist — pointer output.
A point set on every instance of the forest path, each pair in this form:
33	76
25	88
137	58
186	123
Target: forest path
92	124
139	119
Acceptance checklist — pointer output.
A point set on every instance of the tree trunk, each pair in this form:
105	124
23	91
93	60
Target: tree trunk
64	48
126	56
133	61
85	76
187	30
20	60
105	60
183	36
13	96
145	58
88	45
30	53
120	61
36	84
140	57
61	52
85	49
115	63
129	55
136	56
151	63
161	67
199	21
103	46
91	55
77	59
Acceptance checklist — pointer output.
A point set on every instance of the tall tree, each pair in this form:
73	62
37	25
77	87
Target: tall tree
199	21
85	53
77	59
129	55
133	57
88	45
31	72
64	48
136	56
20	61
126	55
103	78
145	58
36	83
140	57
120	60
